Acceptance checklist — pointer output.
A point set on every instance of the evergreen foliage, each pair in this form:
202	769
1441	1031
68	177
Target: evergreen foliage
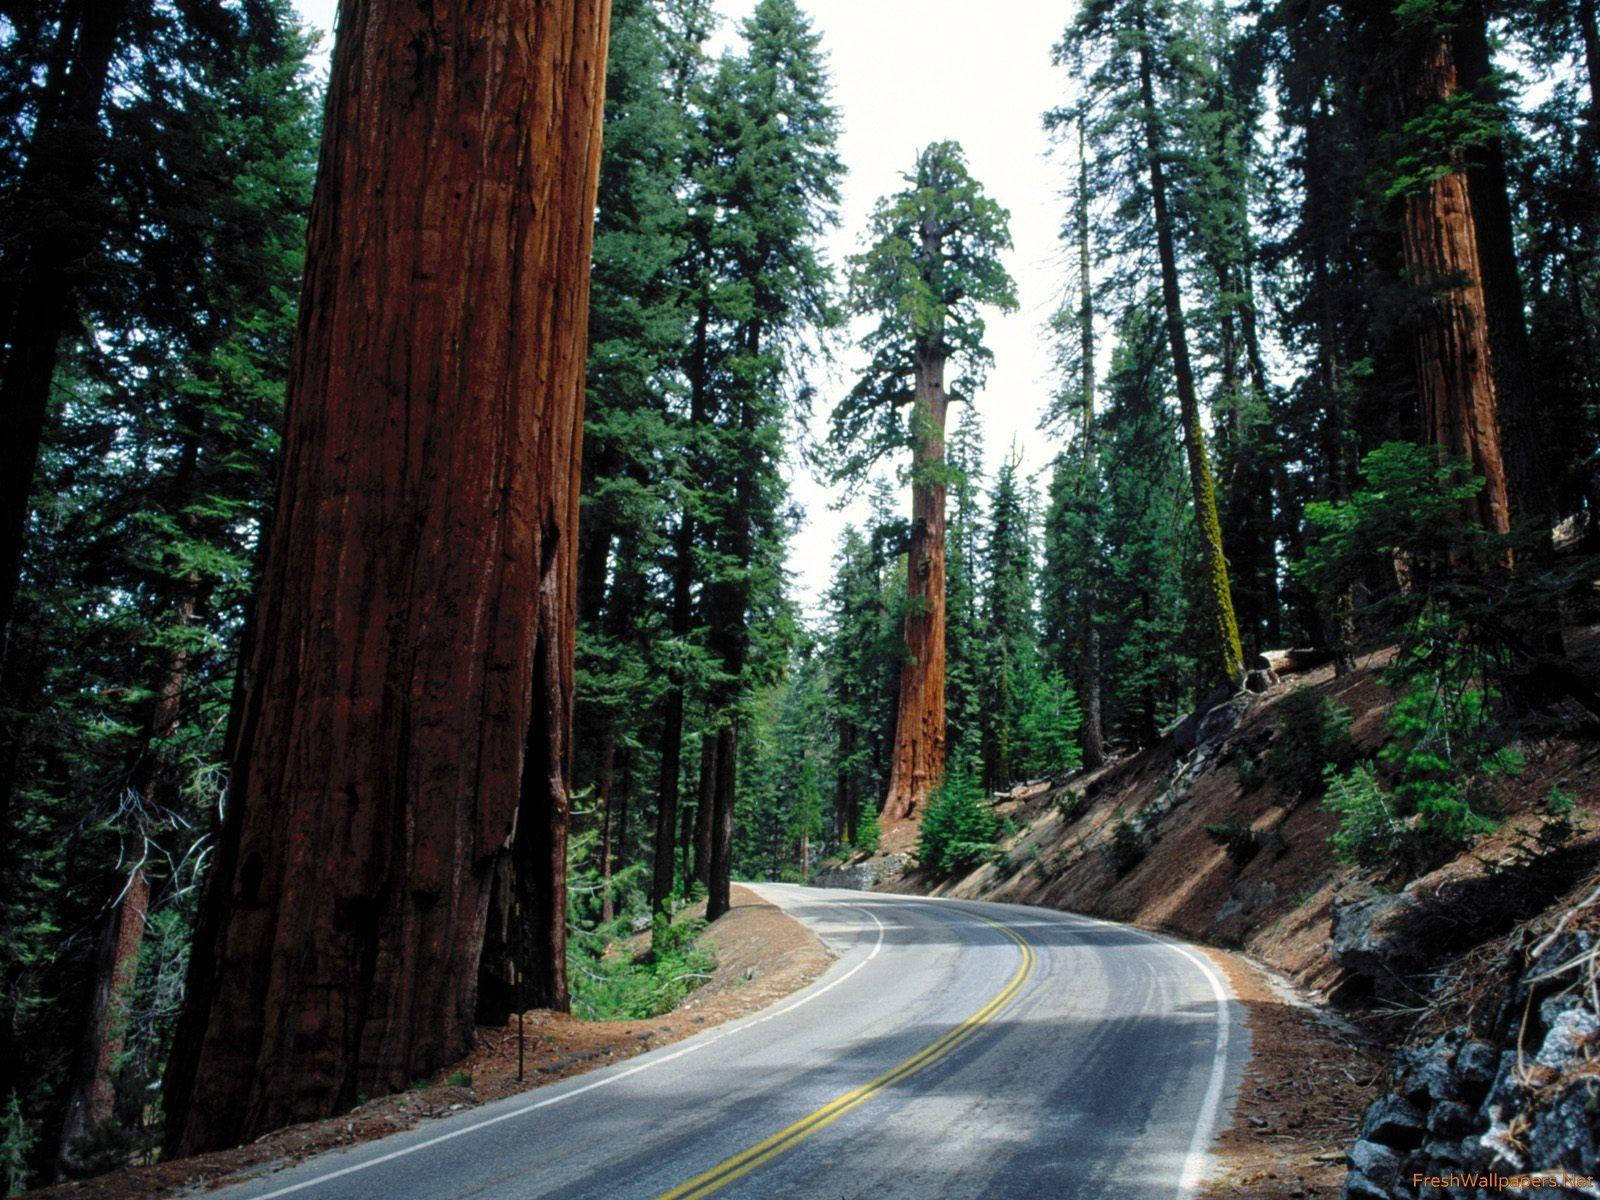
959	829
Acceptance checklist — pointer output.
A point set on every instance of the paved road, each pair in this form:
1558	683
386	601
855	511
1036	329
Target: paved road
954	1050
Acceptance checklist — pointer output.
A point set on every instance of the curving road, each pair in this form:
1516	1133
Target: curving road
955	1049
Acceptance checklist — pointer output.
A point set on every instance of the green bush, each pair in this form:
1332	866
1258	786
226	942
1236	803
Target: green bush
460	1079
1237	838
1126	848
1071	805
1313	733
868	834
1369	833
613	988
959	829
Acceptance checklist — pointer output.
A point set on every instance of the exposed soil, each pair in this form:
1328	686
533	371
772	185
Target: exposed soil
1311	1075
1308	1080
761	955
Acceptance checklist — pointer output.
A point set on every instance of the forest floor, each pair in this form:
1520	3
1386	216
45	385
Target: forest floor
761	955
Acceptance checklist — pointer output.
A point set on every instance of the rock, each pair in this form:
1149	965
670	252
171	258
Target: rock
1394	1121
1432	1077
1258	682
1374	1169
1368	940
1245	898
1448	1119
861	876
1216	723
1570	1034
1476	1064
1567	1133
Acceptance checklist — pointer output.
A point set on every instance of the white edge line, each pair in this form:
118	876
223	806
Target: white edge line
1196	1159
524	1110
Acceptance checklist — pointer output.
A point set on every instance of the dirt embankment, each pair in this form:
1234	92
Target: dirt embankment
761	955
1274	907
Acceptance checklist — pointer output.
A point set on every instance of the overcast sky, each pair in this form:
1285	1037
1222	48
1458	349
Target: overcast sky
905	73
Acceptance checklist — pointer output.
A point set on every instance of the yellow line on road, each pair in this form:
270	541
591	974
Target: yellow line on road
764	1151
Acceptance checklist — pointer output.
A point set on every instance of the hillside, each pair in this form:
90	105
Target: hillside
1203	841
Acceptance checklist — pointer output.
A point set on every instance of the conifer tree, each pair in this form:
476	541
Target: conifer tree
1142	92
931	266
362	828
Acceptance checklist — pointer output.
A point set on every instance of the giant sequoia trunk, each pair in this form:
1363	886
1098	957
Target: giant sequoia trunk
1227	656
919	735
1454	354
405	725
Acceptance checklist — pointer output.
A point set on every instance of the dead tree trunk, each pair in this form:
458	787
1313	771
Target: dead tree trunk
406	723
919	737
702	810
719	887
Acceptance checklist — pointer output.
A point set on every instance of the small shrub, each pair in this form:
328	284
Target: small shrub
1250	773
460	1079
105	1146
1238	839
1558	827
612	988
868	834
1369	833
1558	802
1071	805
1126	848
1313	733
17	1138
959	829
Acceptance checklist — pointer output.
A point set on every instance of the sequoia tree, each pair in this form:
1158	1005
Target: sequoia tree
933	262
405	714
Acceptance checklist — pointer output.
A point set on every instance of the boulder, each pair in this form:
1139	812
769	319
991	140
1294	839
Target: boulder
1374	1170
1371	941
861	876
1394	1121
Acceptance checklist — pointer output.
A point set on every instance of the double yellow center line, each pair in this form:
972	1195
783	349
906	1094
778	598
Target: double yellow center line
765	1151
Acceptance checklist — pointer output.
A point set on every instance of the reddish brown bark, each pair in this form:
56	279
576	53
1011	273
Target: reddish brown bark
919	736
94	1089
1455	360
405	727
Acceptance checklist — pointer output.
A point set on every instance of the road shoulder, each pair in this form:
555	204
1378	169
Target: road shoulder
1308	1079
763	954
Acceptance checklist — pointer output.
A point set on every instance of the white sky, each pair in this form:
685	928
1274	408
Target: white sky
905	73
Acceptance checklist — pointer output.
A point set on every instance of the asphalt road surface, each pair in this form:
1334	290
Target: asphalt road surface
955	1049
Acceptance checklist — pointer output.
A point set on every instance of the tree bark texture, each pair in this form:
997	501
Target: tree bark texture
93	1098
719	886
919	736
1227	654
704	802
1524	426
1454	356
406	726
